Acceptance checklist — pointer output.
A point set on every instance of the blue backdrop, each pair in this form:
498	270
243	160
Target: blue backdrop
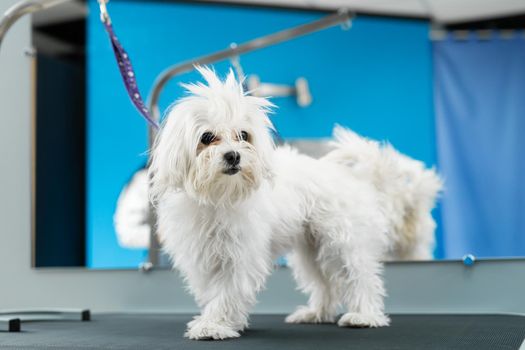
480	114
375	78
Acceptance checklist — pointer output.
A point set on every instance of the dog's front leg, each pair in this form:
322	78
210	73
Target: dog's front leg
226	300
221	318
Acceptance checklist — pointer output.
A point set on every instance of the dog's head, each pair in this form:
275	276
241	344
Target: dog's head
215	144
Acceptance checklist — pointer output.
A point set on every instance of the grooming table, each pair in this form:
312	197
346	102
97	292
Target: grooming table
164	331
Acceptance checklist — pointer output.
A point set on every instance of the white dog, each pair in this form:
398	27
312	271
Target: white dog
229	202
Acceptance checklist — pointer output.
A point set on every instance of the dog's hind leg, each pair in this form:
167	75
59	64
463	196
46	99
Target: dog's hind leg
363	291
322	303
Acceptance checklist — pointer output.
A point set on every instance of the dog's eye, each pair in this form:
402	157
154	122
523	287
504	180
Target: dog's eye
244	135
207	138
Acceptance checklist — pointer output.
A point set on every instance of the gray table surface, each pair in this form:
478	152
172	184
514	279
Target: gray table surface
165	331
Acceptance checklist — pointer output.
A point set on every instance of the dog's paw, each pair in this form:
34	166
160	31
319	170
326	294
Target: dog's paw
193	322
200	329
304	314
361	320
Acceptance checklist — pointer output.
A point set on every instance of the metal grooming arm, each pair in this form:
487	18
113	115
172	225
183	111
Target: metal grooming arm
24	8
342	17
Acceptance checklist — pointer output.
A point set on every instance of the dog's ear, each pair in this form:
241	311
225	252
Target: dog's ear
169	157
259	110
265	146
268	171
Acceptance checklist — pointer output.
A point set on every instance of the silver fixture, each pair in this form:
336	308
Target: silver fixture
300	90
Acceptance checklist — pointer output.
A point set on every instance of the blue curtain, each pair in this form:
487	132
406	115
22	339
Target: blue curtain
480	116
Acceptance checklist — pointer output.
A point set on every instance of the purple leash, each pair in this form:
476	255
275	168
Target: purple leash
126	69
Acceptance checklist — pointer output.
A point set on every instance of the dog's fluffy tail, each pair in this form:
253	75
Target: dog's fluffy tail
409	190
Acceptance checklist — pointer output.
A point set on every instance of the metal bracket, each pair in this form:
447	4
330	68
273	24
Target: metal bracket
11	320
300	90
10	324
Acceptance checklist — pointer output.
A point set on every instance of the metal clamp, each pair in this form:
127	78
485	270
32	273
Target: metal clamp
300	90
104	15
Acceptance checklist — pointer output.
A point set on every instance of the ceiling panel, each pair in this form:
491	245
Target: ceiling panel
446	11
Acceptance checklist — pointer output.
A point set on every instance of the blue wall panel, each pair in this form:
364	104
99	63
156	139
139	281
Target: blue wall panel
480	109
375	78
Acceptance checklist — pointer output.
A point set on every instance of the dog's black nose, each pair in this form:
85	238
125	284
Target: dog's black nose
232	158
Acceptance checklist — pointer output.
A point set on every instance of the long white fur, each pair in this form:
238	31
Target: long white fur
336	221
408	191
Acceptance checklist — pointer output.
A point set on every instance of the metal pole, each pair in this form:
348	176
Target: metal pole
255	44
22	8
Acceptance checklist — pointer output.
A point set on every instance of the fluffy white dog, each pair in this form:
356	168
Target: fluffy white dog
229	202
